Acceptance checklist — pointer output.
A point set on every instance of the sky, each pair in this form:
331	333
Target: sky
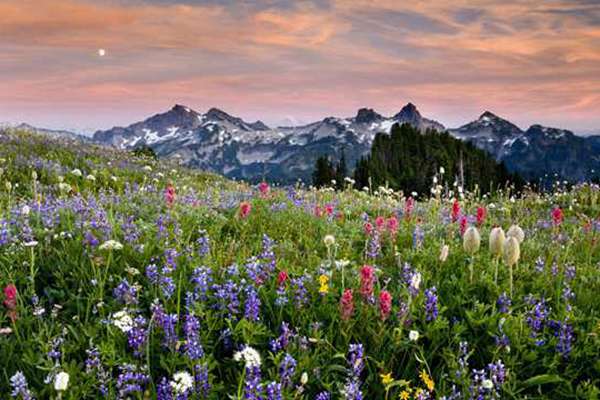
287	61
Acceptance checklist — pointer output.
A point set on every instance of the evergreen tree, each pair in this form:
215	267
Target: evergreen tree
324	172
407	159
341	171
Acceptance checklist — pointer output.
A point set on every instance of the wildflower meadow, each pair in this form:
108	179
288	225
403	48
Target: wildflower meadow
129	278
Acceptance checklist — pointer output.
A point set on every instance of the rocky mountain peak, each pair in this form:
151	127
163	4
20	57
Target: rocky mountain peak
367	115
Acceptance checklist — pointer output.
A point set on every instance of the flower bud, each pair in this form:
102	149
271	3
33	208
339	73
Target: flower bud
497	239
512	251
471	240
516	232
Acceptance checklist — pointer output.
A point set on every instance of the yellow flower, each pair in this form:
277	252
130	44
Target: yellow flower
386	379
404	395
323	280
427	380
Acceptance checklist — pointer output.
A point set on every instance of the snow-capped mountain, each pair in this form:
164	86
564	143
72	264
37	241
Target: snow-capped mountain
537	152
229	145
236	148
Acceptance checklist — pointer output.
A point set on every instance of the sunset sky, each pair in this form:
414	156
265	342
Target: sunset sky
284	60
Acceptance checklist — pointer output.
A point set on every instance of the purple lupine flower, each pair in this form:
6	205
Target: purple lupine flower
55	348
373	245
254	270
356	359
93	363
540	265
463	358
351	390
252	307
554	269
418	237
283	340
126	293
497	373
152	273
570	272
567	294
273	391
130	381
90	240
137	335
564	332
164	390
167	285
282	298
167	323
191	327
19	386
267	256
203	243
536	318
287	367
300	291
323	396
252	386
201	278
201	381
431	304
503	303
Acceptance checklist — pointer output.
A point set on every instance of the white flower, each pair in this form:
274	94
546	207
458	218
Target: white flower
487	384
114	178
31	243
123	321
147	168
25	210
471	240
304	378
413	336
64	187
61	381
111	245
76	172
182	382
415	281
249	355
91	178
444	253
516	232
329	240
442	170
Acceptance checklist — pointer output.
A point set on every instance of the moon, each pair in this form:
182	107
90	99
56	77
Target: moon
101	52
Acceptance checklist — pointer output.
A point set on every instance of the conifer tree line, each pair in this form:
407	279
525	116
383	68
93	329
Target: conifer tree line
407	159
326	171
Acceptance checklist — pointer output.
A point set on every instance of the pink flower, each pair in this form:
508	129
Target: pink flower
170	195
10	301
463	225
329	209
557	216
380	223
10	292
455	210
367	281
245	208
408	207
282	278
392	225
346	305
318	211
264	188
368	228
385	304
481	213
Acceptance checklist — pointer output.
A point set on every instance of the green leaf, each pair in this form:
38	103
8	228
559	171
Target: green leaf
542	380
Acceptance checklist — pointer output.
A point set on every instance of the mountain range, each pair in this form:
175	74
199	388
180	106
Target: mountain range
226	144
